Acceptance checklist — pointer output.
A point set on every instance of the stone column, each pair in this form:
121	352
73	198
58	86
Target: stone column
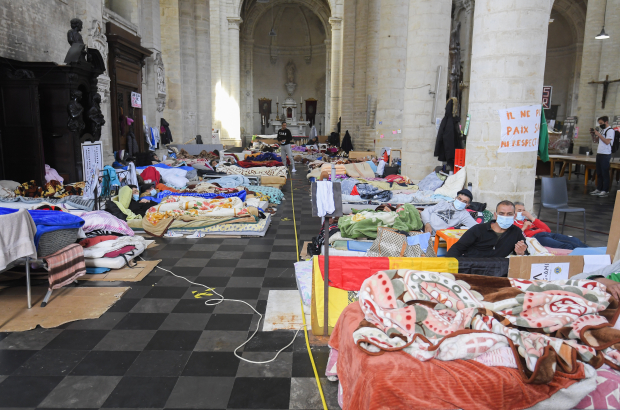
590	68
425	52
247	90
328	88
393	51
336	75
233	47
507	70
203	74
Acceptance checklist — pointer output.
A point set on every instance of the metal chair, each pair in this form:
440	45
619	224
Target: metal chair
554	195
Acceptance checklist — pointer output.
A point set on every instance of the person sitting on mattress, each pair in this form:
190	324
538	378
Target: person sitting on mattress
495	239
535	228
128	205
446	214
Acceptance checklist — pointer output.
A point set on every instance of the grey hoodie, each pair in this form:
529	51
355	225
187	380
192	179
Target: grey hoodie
444	215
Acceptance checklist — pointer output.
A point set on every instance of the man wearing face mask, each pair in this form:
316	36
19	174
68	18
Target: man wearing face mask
446	214
537	229
128	205
495	239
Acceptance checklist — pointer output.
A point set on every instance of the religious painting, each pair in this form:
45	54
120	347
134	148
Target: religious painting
289	112
264	108
311	110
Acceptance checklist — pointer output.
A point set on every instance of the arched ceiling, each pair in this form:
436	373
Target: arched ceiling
573	14
295	25
304	11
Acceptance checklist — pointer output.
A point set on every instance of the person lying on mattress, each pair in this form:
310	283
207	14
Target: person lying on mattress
128	205
446	214
495	239
535	228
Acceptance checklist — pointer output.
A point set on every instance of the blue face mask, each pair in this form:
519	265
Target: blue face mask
136	197
520	216
504	222
153	192
459	205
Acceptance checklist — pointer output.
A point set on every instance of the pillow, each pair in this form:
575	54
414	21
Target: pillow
104	221
430	182
10	185
454	183
114	263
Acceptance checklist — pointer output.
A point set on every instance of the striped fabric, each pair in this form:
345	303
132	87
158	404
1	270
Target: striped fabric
65	266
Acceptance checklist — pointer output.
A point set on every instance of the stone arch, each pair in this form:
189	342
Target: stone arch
575	12
257	10
331	5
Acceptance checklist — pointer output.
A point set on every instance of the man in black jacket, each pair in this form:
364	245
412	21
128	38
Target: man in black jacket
284	139
498	238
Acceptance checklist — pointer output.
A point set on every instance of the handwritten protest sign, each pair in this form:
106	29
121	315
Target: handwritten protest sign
520	128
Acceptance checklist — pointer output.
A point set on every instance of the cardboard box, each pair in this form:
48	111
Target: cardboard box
521	267
361	154
614	230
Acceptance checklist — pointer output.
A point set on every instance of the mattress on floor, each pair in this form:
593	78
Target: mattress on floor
246	229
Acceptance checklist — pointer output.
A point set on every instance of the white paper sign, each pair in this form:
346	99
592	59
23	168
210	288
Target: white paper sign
215	136
92	163
520	128
136	100
549	271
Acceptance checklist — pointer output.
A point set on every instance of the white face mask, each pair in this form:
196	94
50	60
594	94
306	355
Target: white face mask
520	216
459	205
505	222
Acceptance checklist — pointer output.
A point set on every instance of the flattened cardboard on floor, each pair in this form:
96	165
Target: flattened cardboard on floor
124	275
614	230
521	266
66	305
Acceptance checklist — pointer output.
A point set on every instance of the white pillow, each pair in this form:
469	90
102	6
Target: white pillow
114	263
454	183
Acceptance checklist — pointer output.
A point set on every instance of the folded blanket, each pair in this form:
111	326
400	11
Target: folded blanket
65	266
270	171
365	223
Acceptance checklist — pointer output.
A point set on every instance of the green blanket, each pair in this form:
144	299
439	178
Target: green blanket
406	218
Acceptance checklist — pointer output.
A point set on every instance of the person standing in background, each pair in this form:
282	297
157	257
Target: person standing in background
603	156
284	139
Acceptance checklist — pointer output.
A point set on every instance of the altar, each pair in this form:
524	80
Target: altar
289	114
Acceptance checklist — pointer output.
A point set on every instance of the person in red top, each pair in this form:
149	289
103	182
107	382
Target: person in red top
535	228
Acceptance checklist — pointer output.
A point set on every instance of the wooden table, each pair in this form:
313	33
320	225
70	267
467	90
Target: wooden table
589	161
451	236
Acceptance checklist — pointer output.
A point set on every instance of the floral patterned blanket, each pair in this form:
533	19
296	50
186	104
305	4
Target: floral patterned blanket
549	326
179	207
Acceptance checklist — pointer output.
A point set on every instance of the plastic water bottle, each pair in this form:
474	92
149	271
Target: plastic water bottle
469	186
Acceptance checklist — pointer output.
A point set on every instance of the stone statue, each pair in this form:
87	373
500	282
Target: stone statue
290	71
75	110
96	116
161	74
73	35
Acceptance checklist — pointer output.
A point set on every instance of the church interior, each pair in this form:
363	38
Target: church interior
186	187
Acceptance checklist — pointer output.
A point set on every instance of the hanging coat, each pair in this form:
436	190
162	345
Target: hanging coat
334	139
132	144
449	135
164	132
347	144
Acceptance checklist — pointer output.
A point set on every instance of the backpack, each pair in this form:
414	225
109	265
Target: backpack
615	144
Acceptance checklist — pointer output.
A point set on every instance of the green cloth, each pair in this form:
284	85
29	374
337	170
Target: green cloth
543	139
123	200
406	219
614	276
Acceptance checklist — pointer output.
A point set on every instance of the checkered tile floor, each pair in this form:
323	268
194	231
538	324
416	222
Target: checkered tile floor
160	347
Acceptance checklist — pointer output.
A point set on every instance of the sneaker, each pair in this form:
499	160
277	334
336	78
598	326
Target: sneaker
197	235
293	170
595	192
170	234
603	194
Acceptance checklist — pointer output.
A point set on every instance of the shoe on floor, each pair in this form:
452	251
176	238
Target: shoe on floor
171	234
196	235
595	192
293	170
603	194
